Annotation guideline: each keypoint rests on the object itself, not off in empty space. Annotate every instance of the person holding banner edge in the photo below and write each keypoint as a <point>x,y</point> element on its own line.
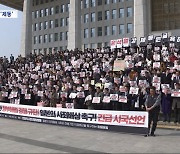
<point>152,105</point>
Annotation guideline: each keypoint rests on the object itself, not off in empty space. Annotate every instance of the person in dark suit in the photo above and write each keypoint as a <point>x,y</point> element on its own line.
<point>91,91</point>
<point>176,105</point>
<point>152,105</point>
<point>106,106</point>
<point>126,106</point>
<point>166,77</point>
<point>166,105</point>
<point>175,78</point>
<point>98,93</point>
<point>115,104</point>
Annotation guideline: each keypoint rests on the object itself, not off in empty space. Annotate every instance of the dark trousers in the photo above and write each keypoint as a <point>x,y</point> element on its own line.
<point>106,106</point>
<point>115,105</point>
<point>153,116</point>
<point>125,106</point>
<point>167,117</point>
<point>80,104</point>
<point>177,115</point>
<point>98,106</point>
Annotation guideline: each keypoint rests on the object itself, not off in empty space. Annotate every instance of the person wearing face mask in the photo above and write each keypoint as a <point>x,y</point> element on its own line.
<point>152,105</point>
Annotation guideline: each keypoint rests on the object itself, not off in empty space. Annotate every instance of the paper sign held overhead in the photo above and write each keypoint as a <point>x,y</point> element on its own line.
<point>119,65</point>
<point>119,43</point>
<point>126,42</point>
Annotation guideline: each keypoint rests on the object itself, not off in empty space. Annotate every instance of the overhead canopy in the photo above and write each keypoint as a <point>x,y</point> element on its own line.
<point>16,4</point>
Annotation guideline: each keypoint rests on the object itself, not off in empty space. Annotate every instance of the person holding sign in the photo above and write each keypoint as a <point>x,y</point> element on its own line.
<point>73,96</point>
<point>172,58</point>
<point>166,77</point>
<point>114,96</point>
<point>6,94</point>
<point>27,99</point>
<point>152,105</point>
<point>63,102</point>
<point>88,99</point>
<point>54,98</point>
<point>14,95</point>
<point>175,78</point>
<point>1,96</point>
<point>106,99</point>
<point>127,105</point>
<point>45,100</point>
<point>98,106</point>
<point>176,104</point>
<point>80,98</point>
<point>134,93</point>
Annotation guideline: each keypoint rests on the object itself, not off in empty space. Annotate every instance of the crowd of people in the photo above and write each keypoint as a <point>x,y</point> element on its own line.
<point>87,80</point>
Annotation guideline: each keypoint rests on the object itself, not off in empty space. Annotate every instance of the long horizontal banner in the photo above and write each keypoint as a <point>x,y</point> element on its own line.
<point>105,119</point>
<point>150,39</point>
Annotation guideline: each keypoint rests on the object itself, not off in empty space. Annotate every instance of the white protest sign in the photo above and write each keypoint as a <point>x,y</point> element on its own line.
<point>113,44</point>
<point>126,42</point>
<point>114,97</point>
<point>69,105</point>
<point>119,43</point>
<point>28,96</point>
<point>58,105</point>
<point>80,95</point>
<point>96,100</point>
<point>106,99</point>
<point>123,99</point>
<point>156,65</point>
<point>5,94</point>
<point>133,90</point>
<point>175,93</point>
<point>73,95</point>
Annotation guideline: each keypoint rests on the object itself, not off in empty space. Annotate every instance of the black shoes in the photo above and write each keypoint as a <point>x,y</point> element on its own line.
<point>146,135</point>
<point>152,134</point>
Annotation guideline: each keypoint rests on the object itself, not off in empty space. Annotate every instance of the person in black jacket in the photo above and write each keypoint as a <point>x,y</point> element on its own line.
<point>126,106</point>
<point>152,105</point>
<point>166,77</point>
<point>91,92</point>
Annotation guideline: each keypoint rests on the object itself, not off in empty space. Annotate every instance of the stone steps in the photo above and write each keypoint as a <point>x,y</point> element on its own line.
<point>166,125</point>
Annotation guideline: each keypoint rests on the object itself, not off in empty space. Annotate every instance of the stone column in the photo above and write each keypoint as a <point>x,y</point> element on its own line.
<point>26,34</point>
<point>74,36</point>
<point>142,18</point>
